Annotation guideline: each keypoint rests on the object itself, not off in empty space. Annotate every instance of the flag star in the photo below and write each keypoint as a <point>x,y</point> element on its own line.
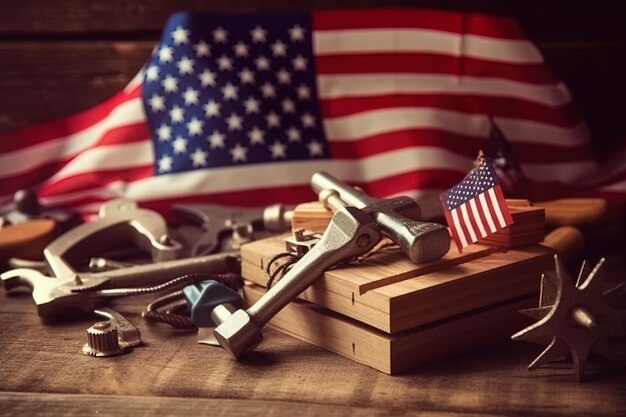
<point>230,92</point>
<point>202,49</point>
<point>241,49</point>
<point>293,134</point>
<point>296,33</point>
<point>190,96</point>
<point>199,157</point>
<point>273,120</point>
<point>239,153</point>
<point>157,103</point>
<point>212,108</point>
<point>179,145</point>
<point>278,149</point>
<point>170,84</point>
<point>299,63</point>
<point>220,35</point>
<point>251,105</point>
<point>207,78</point>
<point>180,35</point>
<point>288,106</point>
<point>262,63</point>
<point>234,122</point>
<point>283,76</point>
<point>315,148</point>
<point>279,48</point>
<point>268,90</point>
<point>216,139</point>
<point>164,132</point>
<point>256,135</point>
<point>258,34</point>
<point>304,92</point>
<point>152,73</point>
<point>185,65</point>
<point>177,114</point>
<point>195,126</point>
<point>246,76</point>
<point>165,163</point>
<point>308,120</point>
<point>225,63</point>
<point>165,54</point>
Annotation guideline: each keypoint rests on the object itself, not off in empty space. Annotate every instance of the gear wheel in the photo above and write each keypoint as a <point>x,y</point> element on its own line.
<point>102,340</point>
<point>576,317</point>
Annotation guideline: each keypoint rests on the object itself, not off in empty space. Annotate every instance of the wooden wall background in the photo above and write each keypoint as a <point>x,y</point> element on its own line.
<point>60,57</point>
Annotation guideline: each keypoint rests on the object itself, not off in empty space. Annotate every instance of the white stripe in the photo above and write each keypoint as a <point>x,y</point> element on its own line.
<point>618,187</point>
<point>477,218</point>
<point>136,81</point>
<point>26,159</point>
<point>485,207</point>
<point>457,227</point>
<point>332,42</point>
<point>359,85</point>
<point>566,172</point>
<point>376,122</point>
<point>496,207</point>
<point>130,155</point>
<point>468,223</point>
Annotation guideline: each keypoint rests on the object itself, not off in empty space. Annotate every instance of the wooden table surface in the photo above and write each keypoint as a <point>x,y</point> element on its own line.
<point>43,372</point>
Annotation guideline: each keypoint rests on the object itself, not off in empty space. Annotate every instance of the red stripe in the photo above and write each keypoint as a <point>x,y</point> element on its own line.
<point>94,180</point>
<point>563,116</point>
<point>456,22</point>
<point>463,226</point>
<point>491,211</point>
<point>40,173</point>
<point>453,230</point>
<point>59,129</point>
<point>464,145</point>
<point>431,63</point>
<point>481,215</point>
<point>504,208</point>
<point>473,222</point>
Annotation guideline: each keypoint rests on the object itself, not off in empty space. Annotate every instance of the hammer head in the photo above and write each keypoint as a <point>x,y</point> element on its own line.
<point>421,241</point>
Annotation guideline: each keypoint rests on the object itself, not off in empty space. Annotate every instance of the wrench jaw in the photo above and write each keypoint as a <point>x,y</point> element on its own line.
<point>238,334</point>
<point>50,296</point>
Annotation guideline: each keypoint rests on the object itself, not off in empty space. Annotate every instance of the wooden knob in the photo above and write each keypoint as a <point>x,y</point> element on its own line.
<point>26,240</point>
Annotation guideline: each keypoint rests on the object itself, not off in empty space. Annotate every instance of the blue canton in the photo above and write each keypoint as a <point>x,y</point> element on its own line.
<point>477,182</point>
<point>228,89</point>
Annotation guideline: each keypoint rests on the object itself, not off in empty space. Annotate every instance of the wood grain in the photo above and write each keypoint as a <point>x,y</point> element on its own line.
<point>43,358</point>
<point>390,293</point>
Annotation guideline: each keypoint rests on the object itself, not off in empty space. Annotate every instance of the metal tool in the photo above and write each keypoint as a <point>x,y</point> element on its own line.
<point>398,218</point>
<point>352,232</point>
<point>84,291</point>
<point>227,228</point>
<point>120,221</point>
<point>113,337</point>
<point>576,317</point>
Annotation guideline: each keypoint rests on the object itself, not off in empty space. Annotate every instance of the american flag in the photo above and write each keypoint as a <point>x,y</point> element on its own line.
<point>475,207</point>
<point>241,109</point>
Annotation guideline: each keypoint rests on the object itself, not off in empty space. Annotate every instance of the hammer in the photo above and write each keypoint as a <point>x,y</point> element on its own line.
<point>352,232</point>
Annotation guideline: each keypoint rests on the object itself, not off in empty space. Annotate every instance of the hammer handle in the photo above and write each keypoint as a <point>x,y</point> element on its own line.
<point>350,195</point>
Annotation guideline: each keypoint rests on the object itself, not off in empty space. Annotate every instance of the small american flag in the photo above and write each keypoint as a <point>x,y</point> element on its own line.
<point>475,207</point>
<point>243,108</point>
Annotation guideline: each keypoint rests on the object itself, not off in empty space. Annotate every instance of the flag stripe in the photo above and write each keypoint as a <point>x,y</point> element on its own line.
<point>458,229</point>
<point>424,41</point>
<point>477,218</point>
<point>425,63</point>
<point>564,116</point>
<point>58,129</point>
<point>495,207</point>
<point>486,209</point>
<point>455,22</point>
<point>468,223</point>
<point>360,85</point>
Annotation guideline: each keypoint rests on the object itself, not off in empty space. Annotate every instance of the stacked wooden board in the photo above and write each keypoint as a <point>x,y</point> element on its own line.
<point>392,315</point>
<point>528,227</point>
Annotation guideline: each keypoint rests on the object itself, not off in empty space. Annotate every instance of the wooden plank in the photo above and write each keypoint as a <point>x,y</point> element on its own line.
<point>410,301</point>
<point>45,358</point>
<point>394,354</point>
<point>54,405</point>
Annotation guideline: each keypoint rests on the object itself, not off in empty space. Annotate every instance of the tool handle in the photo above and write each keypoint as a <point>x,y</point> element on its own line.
<point>156,273</point>
<point>350,195</point>
<point>350,233</point>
